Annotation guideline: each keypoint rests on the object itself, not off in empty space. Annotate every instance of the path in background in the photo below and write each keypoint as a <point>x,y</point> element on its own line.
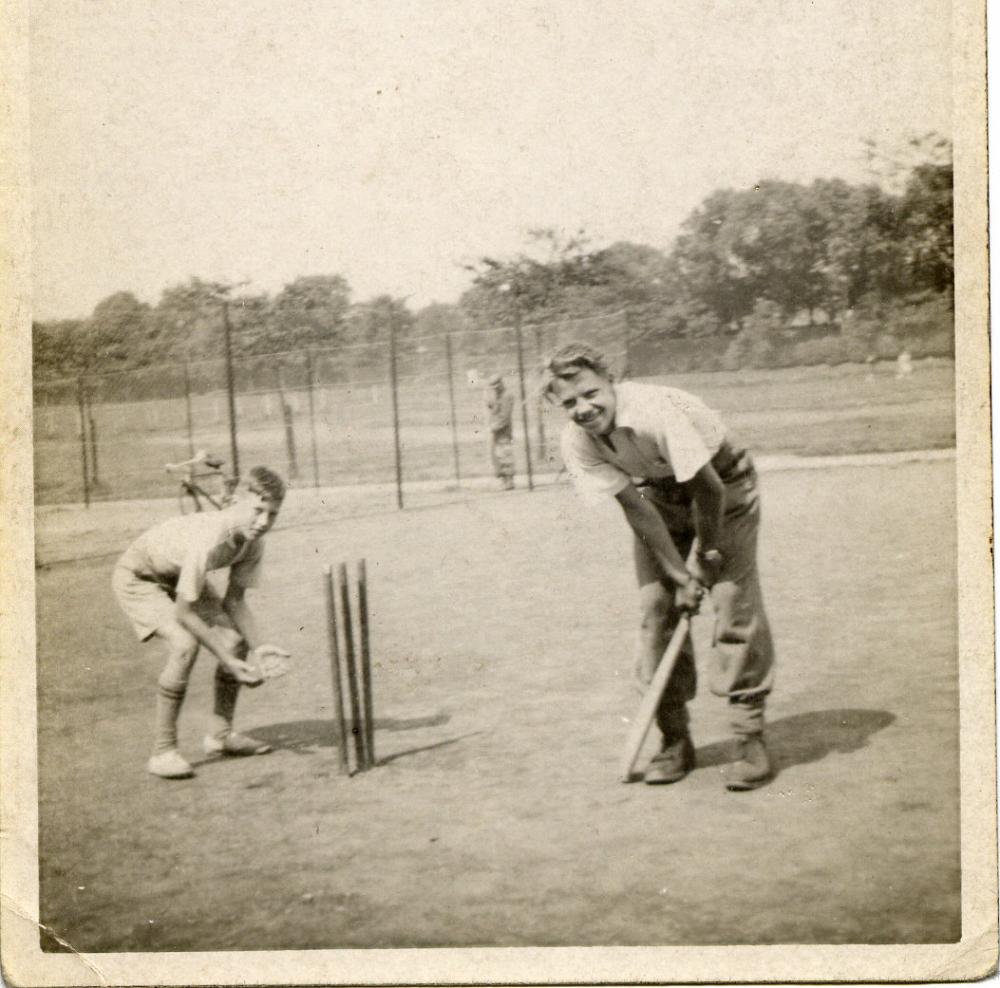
<point>502,632</point>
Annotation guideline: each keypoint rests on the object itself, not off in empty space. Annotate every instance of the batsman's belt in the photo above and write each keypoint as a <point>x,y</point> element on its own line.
<point>731,464</point>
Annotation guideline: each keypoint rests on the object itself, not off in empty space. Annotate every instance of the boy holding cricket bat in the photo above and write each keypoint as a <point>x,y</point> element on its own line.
<point>690,498</point>
<point>161,585</point>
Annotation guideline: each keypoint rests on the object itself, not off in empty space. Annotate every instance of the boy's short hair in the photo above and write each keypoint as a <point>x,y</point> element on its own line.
<point>568,361</point>
<point>265,481</point>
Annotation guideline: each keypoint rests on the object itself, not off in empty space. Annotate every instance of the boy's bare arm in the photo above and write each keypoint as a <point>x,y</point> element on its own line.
<point>708,495</point>
<point>646,522</point>
<point>189,619</point>
<point>267,658</point>
<point>235,606</point>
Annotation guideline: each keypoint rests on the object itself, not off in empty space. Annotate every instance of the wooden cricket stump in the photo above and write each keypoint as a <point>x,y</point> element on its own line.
<point>350,668</point>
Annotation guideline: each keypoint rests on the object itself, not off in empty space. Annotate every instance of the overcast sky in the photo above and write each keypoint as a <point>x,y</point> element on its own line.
<point>390,141</point>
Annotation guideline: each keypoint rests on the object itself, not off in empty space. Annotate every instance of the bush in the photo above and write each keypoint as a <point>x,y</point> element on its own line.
<point>928,327</point>
<point>826,350</point>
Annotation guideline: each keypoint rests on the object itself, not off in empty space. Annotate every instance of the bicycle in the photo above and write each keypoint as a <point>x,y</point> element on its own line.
<point>193,496</point>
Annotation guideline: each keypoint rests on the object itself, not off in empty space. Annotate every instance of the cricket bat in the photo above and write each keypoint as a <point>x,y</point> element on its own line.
<point>651,699</point>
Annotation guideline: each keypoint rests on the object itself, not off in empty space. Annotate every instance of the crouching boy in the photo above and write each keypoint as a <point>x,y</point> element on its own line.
<point>160,583</point>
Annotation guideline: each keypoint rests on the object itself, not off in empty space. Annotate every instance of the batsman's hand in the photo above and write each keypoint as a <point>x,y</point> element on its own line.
<point>270,661</point>
<point>687,596</point>
<point>706,566</point>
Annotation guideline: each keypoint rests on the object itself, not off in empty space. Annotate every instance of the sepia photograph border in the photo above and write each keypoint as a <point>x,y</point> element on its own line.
<point>972,957</point>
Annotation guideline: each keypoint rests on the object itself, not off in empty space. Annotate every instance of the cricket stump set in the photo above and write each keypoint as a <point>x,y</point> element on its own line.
<point>345,662</point>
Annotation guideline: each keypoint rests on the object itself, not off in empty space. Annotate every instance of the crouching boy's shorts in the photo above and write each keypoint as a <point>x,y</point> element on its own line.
<point>149,604</point>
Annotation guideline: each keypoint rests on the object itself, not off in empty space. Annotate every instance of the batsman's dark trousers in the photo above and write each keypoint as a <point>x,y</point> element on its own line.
<point>742,653</point>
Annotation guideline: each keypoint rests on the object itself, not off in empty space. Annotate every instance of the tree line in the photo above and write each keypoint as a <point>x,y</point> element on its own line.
<point>776,274</point>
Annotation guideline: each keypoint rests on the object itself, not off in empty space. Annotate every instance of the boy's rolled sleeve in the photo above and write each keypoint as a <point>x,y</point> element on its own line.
<point>594,479</point>
<point>683,447</point>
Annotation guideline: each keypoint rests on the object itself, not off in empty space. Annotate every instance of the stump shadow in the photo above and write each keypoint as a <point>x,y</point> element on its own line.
<point>808,737</point>
<point>305,737</point>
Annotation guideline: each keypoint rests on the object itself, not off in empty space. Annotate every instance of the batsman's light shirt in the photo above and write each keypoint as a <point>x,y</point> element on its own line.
<point>659,433</point>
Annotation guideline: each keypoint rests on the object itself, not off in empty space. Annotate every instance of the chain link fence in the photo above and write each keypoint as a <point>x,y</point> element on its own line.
<point>403,412</point>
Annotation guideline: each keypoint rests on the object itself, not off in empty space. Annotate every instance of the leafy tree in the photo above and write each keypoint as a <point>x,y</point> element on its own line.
<point>563,282</point>
<point>860,244</point>
<point>715,279</point>
<point>918,172</point>
<point>310,312</point>
<point>251,321</point>
<point>780,236</point>
<point>115,333</point>
<point>927,220</point>
<point>372,321</point>
<point>56,348</point>
<point>188,321</point>
<point>438,318</point>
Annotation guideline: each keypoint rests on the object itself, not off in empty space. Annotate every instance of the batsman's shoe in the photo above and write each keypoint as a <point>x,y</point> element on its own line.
<point>752,767</point>
<point>671,764</point>
<point>170,765</point>
<point>234,744</point>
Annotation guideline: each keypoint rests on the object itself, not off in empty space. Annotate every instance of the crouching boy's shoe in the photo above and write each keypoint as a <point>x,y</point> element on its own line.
<point>673,762</point>
<point>752,767</point>
<point>169,765</point>
<point>234,744</point>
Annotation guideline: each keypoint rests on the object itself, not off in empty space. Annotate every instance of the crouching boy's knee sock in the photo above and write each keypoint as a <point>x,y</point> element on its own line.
<point>227,691</point>
<point>169,698</point>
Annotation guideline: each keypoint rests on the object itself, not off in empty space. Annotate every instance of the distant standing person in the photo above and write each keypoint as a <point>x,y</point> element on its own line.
<point>161,584</point>
<point>690,498</point>
<point>500,409</point>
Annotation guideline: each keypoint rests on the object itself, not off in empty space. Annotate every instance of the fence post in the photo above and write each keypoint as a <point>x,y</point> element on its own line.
<point>230,389</point>
<point>94,478</point>
<point>395,410</point>
<point>286,415</point>
<point>83,442</point>
<point>524,396</point>
<point>543,451</point>
<point>187,409</point>
<point>451,398</point>
<point>626,370</point>
<point>312,417</point>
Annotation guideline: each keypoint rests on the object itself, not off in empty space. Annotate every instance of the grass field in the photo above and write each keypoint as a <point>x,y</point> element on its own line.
<point>503,627</point>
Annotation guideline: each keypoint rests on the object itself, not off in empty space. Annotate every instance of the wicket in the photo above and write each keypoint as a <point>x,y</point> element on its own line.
<point>344,667</point>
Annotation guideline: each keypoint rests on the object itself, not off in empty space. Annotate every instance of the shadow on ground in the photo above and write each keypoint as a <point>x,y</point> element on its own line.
<point>808,737</point>
<point>305,737</point>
